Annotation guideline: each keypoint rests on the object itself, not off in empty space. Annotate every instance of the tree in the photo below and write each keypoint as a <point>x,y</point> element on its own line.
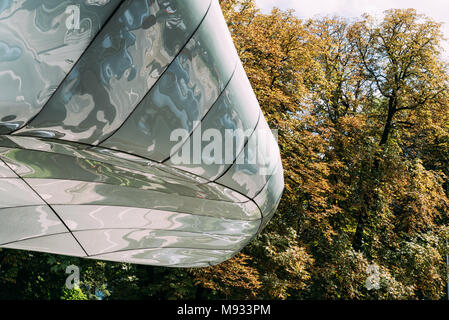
<point>362,110</point>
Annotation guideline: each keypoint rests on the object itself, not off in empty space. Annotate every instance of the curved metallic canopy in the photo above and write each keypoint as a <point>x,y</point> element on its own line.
<point>91,92</point>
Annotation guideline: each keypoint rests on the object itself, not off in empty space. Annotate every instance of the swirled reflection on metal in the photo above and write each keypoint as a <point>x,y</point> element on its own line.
<point>37,50</point>
<point>268,199</point>
<point>261,153</point>
<point>183,94</point>
<point>116,72</point>
<point>86,161</point>
<point>236,109</point>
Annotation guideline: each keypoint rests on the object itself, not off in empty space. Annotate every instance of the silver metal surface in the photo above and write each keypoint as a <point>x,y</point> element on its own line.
<point>37,51</point>
<point>88,163</point>
<point>116,72</point>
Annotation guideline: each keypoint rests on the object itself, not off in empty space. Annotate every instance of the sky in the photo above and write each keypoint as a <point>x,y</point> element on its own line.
<point>436,9</point>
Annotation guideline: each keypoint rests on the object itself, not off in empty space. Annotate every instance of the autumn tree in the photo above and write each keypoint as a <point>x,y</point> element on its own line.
<point>362,110</point>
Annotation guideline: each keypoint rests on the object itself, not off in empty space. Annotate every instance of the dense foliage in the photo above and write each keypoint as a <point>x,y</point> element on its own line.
<point>362,110</point>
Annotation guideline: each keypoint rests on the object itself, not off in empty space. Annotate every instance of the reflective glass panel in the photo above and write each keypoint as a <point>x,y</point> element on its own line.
<point>5,172</point>
<point>15,193</point>
<point>106,217</point>
<point>184,94</point>
<point>81,192</point>
<point>40,41</point>
<point>28,222</point>
<point>255,164</point>
<point>214,144</point>
<point>125,60</point>
<point>172,257</point>
<point>104,241</point>
<point>42,164</point>
<point>268,198</point>
<point>64,244</point>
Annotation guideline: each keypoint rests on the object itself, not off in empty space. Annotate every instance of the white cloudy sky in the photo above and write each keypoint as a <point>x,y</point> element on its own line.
<point>437,9</point>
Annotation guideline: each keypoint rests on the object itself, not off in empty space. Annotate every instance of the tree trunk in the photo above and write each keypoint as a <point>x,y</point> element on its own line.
<point>357,241</point>
<point>389,122</point>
